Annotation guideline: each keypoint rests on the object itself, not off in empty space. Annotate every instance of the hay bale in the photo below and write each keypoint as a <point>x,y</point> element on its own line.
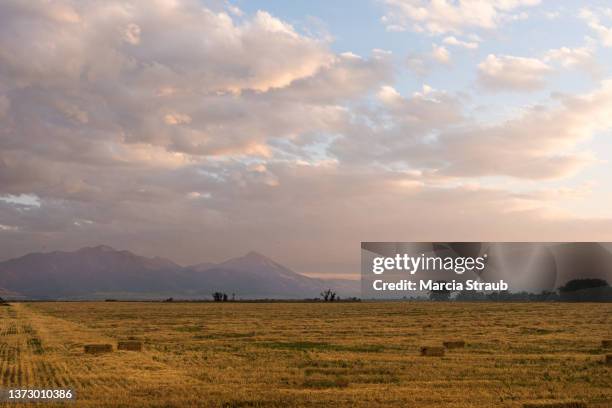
<point>569,404</point>
<point>454,344</point>
<point>606,344</point>
<point>432,351</point>
<point>98,348</point>
<point>609,359</point>
<point>130,345</point>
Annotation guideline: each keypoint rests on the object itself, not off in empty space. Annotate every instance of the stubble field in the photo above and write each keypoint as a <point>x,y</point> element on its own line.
<point>310,354</point>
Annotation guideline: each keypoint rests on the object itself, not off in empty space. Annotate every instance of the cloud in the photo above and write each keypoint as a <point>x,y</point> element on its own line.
<point>177,119</point>
<point>440,54</point>
<point>571,57</point>
<point>512,73</point>
<point>444,16</point>
<point>126,90</point>
<point>582,58</point>
<point>418,64</point>
<point>132,34</point>
<point>389,95</point>
<point>552,15</point>
<point>422,64</point>
<point>176,76</point>
<point>594,21</point>
<point>316,207</point>
<point>452,40</point>
<point>149,43</point>
<point>429,133</point>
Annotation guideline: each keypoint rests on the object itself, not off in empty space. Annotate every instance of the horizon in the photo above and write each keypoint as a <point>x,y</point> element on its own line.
<point>249,254</point>
<point>398,274</point>
<point>352,276</point>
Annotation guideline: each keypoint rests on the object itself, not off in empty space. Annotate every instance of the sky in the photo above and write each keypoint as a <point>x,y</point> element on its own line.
<point>201,130</point>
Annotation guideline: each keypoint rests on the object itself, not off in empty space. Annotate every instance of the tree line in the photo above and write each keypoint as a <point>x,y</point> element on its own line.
<point>574,290</point>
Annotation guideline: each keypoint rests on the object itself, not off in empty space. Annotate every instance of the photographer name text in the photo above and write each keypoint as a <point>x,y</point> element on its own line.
<point>430,285</point>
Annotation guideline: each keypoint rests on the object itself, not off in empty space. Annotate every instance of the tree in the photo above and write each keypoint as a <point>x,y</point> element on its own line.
<point>546,295</point>
<point>581,284</point>
<point>440,294</point>
<point>470,296</point>
<point>329,295</point>
<point>586,290</point>
<point>504,296</point>
<point>220,297</point>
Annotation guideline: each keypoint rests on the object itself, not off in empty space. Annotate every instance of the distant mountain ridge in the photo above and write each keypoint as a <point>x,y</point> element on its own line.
<point>104,272</point>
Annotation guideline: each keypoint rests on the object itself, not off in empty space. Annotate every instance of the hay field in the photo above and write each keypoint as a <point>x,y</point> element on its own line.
<point>310,354</point>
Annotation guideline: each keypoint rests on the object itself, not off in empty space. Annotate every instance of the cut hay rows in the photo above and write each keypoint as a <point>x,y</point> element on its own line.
<point>35,345</point>
<point>23,359</point>
<point>606,343</point>
<point>129,345</point>
<point>9,329</point>
<point>48,353</point>
<point>294,355</point>
<point>431,351</point>
<point>609,359</point>
<point>97,348</point>
<point>454,344</point>
<point>571,404</point>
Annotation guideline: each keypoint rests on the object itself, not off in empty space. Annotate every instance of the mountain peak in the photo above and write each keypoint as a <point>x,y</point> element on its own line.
<point>99,248</point>
<point>101,270</point>
<point>251,260</point>
<point>253,255</point>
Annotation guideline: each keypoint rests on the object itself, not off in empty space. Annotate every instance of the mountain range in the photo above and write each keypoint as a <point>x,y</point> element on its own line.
<point>103,272</point>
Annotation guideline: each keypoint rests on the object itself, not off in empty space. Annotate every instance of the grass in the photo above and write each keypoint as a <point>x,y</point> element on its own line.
<point>310,354</point>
